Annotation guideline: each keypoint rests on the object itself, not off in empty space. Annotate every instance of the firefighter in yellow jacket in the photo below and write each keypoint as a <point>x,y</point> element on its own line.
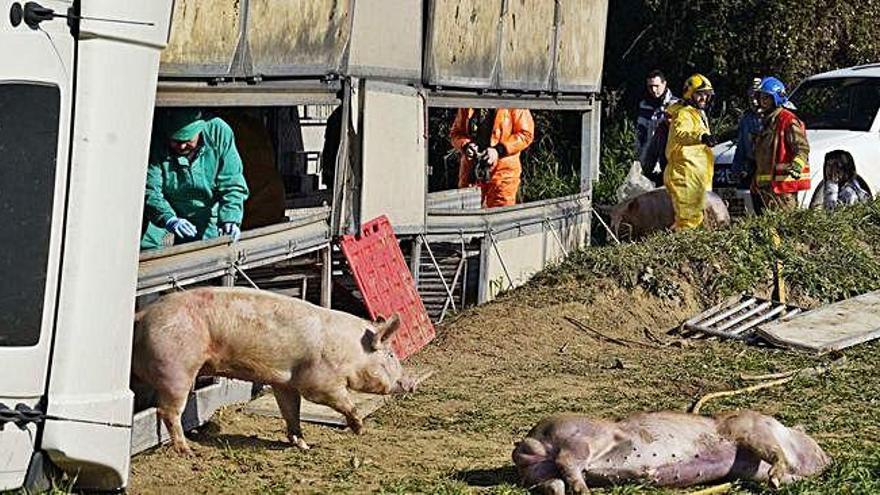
<point>688,175</point>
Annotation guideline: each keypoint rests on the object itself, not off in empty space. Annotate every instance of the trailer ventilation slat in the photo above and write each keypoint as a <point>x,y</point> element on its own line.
<point>739,316</point>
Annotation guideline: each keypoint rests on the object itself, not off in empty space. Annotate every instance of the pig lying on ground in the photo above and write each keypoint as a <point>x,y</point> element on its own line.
<point>663,449</point>
<point>300,349</point>
<point>652,211</point>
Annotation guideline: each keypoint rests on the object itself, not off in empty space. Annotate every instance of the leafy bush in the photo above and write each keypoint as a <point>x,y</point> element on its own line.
<point>551,165</point>
<point>442,157</point>
<point>616,157</point>
<point>732,41</point>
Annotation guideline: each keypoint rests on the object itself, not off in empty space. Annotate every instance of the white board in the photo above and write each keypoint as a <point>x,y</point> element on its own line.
<point>829,328</point>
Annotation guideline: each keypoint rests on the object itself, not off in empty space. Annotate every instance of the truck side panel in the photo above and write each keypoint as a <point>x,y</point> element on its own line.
<point>581,45</point>
<point>204,37</point>
<point>298,37</point>
<point>89,377</point>
<point>539,45</point>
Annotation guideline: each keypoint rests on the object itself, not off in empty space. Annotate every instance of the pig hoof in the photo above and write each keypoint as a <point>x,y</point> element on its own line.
<point>777,474</point>
<point>298,442</point>
<point>551,487</point>
<point>182,450</point>
<point>357,426</point>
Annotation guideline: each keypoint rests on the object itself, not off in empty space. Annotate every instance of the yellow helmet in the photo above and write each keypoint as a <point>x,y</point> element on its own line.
<point>695,83</point>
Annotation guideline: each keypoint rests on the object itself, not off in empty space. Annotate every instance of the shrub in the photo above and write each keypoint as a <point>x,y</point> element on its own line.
<point>731,41</point>
<point>825,256</point>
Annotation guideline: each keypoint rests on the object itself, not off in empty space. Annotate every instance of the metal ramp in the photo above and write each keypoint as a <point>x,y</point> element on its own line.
<point>738,317</point>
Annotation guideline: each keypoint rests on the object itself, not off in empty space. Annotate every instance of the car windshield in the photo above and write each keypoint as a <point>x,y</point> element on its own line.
<point>849,103</point>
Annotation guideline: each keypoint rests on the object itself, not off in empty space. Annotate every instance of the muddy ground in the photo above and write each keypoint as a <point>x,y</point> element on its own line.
<point>499,369</point>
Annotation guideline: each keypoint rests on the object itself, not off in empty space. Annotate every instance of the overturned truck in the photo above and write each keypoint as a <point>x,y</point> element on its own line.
<point>330,103</point>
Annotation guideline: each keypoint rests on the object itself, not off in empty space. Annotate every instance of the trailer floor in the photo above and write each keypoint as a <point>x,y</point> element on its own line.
<point>502,367</point>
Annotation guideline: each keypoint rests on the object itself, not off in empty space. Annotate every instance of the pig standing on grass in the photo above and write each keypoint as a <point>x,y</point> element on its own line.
<point>664,449</point>
<point>300,349</point>
<point>652,211</point>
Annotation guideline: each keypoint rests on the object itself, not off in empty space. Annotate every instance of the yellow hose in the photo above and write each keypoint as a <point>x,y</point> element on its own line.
<point>713,490</point>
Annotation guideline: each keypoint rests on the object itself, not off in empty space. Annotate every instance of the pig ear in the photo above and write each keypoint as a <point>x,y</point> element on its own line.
<point>385,329</point>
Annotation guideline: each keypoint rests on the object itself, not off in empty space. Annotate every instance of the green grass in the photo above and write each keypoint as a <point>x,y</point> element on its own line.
<point>825,257</point>
<point>63,486</point>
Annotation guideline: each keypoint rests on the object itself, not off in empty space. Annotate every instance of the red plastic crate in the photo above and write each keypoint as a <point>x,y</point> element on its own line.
<point>387,285</point>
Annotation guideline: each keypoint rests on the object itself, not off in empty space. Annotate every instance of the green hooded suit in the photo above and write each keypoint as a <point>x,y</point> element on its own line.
<point>208,191</point>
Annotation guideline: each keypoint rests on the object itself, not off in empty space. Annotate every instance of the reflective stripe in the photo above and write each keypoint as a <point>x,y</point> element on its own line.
<point>784,185</point>
<point>791,186</point>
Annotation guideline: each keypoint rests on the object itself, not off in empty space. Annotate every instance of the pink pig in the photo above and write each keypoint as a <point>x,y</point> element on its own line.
<point>664,449</point>
<point>652,212</point>
<point>300,349</point>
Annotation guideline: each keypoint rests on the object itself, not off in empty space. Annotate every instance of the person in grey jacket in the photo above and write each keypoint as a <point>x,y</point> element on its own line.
<point>649,143</point>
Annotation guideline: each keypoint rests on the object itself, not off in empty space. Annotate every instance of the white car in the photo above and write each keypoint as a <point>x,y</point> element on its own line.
<point>840,111</point>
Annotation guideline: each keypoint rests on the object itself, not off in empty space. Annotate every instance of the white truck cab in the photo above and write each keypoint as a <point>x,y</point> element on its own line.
<point>76,103</point>
<point>841,111</point>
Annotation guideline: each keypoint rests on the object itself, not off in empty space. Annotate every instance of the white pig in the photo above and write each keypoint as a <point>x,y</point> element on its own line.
<point>652,212</point>
<point>300,349</point>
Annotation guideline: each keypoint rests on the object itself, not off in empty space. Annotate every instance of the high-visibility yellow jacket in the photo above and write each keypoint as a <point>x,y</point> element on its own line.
<point>690,167</point>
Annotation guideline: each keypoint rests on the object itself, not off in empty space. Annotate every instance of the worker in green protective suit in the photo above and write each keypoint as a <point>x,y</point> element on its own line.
<point>195,183</point>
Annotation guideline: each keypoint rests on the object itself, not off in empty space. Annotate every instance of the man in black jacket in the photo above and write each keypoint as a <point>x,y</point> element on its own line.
<point>650,141</point>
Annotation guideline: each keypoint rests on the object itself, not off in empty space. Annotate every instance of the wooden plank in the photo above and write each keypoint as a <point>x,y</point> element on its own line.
<point>751,323</point>
<point>310,412</point>
<point>829,328</point>
<point>791,314</point>
<point>148,431</point>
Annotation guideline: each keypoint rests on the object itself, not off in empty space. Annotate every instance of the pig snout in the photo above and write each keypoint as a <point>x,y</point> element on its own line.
<point>404,385</point>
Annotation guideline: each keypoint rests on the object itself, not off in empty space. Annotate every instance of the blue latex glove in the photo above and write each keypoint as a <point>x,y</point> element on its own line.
<point>232,230</point>
<point>181,227</point>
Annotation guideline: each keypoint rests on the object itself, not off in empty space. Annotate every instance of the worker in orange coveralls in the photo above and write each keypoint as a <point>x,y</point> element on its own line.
<point>490,142</point>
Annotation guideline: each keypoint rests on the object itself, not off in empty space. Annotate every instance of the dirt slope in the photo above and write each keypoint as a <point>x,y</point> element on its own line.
<point>502,367</point>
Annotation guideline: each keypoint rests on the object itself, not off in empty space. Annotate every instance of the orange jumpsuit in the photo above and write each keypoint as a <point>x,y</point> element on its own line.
<point>512,132</point>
